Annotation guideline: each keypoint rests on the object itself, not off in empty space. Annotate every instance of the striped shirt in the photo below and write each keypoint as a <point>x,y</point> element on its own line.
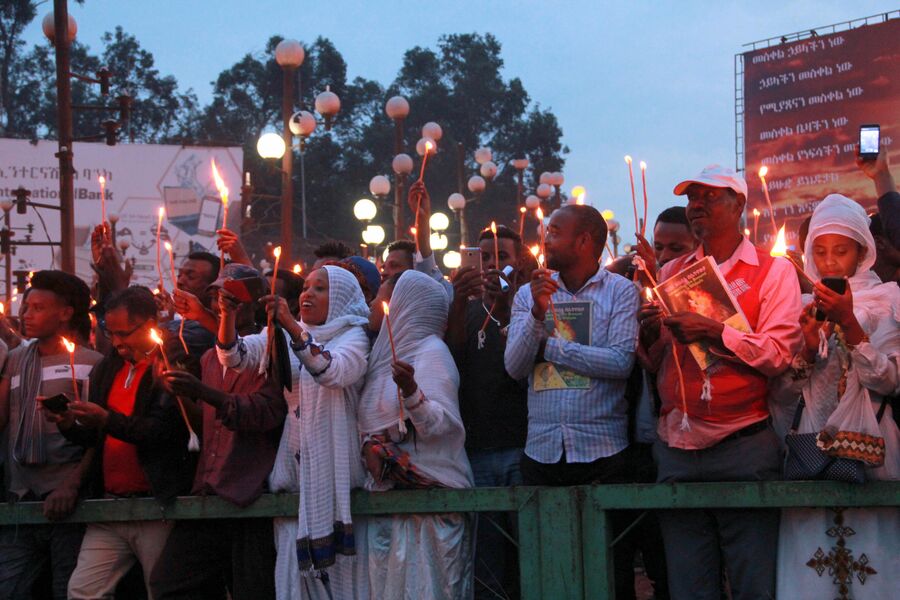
<point>585,423</point>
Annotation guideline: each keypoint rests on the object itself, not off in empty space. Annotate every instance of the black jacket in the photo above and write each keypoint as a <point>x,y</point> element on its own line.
<point>155,427</point>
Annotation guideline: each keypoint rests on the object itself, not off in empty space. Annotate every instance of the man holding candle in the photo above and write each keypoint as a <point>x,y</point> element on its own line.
<point>728,436</point>
<point>578,432</point>
<point>492,404</point>
<point>42,464</point>
<point>141,444</point>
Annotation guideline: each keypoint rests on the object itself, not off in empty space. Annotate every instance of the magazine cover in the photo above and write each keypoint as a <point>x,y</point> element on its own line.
<point>575,326</point>
<point>700,288</point>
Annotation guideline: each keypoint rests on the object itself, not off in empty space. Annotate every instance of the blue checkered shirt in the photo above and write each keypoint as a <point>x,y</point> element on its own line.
<point>587,423</point>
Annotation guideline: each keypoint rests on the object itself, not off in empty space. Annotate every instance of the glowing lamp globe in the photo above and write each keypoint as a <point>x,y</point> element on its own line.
<point>396,108</point>
<point>327,103</point>
<point>456,201</point>
<point>432,130</point>
<point>476,184</point>
<point>373,235</point>
<point>544,190</point>
<point>49,27</point>
<point>380,186</point>
<point>545,177</point>
<point>270,145</point>
<point>483,155</point>
<point>438,241</point>
<point>439,221</point>
<point>452,259</point>
<point>488,170</point>
<point>519,163</point>
<point>532,202</point>
<point>303,123</point>
<point>289,53</point>
<point>420,146</point>
<point>364,209</point>
<point>402,164</point>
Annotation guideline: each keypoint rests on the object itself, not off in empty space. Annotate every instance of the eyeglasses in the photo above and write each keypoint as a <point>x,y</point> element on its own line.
<point>120,334</point>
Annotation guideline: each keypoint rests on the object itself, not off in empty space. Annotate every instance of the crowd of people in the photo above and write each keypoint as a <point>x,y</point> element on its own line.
<point>399,378</point>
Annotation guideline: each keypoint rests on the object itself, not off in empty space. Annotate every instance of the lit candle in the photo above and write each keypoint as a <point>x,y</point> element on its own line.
<point>247,178</point>
<point>270,324</point>
<point>780,249</point>
<point>2,310</point>
<point>70,347</point>
<point>633,197</point>
<point>223,194</point>
<point>496,245</point>
<point>756,214</point>
<point>297,269</point>
<point>747,232</point>
<point>172,266</point>
<point>644,188</point>
<point>763,171</point>
<point>522,211</point>
<point>277,253</point>
<point>154,335</point>
<point>385,307</point>
<point>428,148</point>
<point>159,220</point>
<point>102,181</point>
<point>540,217</point>
<point>193,441</point>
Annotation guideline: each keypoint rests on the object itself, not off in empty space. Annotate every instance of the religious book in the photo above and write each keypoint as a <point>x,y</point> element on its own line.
<point>700,288</point>
<point>574,325</point>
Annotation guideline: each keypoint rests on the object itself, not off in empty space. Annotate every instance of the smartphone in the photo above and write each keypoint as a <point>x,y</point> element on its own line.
<point>869,141</point>
<point>246,289</point>
<point>837,285</point>
<point>56,404</point>
<point>471,257</point>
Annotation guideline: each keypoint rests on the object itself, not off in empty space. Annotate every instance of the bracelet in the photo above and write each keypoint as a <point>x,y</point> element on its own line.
<point>418,403</point>
<point>226,346</point>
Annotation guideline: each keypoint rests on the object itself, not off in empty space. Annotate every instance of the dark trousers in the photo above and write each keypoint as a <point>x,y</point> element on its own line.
<point>698,541</point>
<point>202,558</point>
<point>25,550</point>
<point>646,536</point>
<point>609,469</point>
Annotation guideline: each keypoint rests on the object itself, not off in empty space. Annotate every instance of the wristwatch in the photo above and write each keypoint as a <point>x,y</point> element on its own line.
<point>303,344</point>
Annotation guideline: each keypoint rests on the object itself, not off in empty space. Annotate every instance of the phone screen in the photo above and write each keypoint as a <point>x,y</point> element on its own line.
<point>869,140</point>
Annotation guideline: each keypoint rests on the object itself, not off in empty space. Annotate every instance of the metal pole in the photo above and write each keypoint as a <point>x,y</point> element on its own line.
<point>8,259</point>
<point>287,166</point>
<point>400,182</point>
<point>460,175</point>
<point>64,120</point>
<point>303,191</point>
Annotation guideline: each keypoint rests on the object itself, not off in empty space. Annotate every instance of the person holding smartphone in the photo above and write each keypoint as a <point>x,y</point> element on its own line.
<point>849,364</point>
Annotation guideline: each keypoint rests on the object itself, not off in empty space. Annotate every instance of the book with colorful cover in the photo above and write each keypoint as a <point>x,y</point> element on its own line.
<point>700,288</point>
<point>575,326</point>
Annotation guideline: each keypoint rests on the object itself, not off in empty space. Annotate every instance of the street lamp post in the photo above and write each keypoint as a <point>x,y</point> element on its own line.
<point>62,40</point>
<point>397,109</point>
<point>289,55</point>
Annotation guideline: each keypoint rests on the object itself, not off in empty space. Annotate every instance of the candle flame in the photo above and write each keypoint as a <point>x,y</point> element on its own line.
<point>156,291</point>
<point>385,308</point>
<point>162,212</point>
<point>540,260</point>
<point>780,247</point>
<point>627,159</point>
<point>756,212</point>
<point>413,230</point>
<point>168,246</point>
<point>102,180</point>
<point>70,347</point>
<point>2,309</point>
<point>220,184</point>
<point>522,209</point>
<point>154,335</point>
<point>580,199</point>
<point>539,213</point>
<point>494,227</point>
<point>746,232</point>
<point>428,146</point>
<point>298,269</point>
<point>643,166</point>
<point>535,250</point>
<point>277,252</point>
<point>763,171</point>
<point>648,294</point>
<point>609,261</point>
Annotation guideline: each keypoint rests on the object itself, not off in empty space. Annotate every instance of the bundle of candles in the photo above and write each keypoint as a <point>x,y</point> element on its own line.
<point>270,324</point>
<point>193,440</point>
<point>640,226</point>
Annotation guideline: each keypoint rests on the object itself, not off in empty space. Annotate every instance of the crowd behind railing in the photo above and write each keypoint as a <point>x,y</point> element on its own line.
<point>522,368</point>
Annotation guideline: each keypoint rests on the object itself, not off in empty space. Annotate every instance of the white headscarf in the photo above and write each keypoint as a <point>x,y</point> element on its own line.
<point>418,309</point>
<point>346,305</point>
<point>872,299</point>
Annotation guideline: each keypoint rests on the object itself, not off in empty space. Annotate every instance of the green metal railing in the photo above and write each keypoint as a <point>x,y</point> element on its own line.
<point>565,540</point>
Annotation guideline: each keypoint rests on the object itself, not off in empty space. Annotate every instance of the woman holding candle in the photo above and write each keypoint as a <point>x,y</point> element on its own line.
<point>416,556</point>
<point>319,451</point>
<point>849,365</point>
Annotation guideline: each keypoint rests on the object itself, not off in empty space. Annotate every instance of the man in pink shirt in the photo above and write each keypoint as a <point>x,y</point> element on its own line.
<point>720,430</point>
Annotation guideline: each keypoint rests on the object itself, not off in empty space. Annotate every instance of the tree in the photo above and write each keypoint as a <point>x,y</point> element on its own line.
<point>15,15</point>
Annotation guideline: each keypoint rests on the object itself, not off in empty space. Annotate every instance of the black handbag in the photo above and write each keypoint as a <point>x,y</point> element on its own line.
<point>805,460</point>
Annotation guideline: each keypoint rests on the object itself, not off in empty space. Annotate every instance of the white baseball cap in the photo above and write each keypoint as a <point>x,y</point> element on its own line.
<point>715,176</point>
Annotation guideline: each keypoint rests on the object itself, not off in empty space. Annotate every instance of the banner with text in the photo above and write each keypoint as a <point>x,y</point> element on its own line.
<point>803,105</point>
<point>139,179</point>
